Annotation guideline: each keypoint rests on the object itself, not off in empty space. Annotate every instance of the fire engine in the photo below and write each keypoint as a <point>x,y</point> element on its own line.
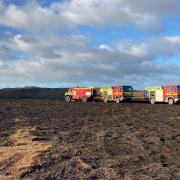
<point>83,94</point>
<point>117,93</point>
<point>169,94</point>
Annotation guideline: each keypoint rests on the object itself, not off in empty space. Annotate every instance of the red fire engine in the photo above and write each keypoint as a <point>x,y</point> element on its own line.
<point>169,94</point>
<point>117,93</point>
<point>83,94</point>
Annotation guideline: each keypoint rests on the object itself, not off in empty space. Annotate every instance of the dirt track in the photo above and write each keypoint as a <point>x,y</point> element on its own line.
<point>51,139</point>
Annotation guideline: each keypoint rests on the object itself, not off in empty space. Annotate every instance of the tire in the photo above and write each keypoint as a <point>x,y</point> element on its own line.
<point>170,101</point>
<point>84,99</point>
<point>105,100</point>
<point>152,101</point>
<point>117,100</point>
<point>67,98</point>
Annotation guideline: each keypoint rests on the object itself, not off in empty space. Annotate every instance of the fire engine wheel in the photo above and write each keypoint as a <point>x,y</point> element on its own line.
<point>170,101</point>
<point>152,101</point>
<point>105,100</point>
<point>117,100</point>
<point>67,98</point>
<point>84,99</point>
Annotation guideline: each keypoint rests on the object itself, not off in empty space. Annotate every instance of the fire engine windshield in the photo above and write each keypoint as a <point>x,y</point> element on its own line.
<point>127,89</point>
<point>179,89</point>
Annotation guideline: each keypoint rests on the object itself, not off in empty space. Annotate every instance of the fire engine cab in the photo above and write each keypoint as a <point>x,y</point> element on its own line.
<point>117,93</point>
<point>169,94</point>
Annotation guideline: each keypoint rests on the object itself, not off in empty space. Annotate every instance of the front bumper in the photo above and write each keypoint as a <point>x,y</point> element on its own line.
<point>126,98</point>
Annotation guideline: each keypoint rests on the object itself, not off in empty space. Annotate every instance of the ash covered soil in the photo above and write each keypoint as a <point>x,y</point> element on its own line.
<point>52,139</point>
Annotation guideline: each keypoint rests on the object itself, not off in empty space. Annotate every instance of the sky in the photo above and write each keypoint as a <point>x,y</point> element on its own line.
<point>65,43</point>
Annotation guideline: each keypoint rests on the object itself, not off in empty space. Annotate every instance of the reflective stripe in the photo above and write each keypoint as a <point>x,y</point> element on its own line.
<point>171,94</point>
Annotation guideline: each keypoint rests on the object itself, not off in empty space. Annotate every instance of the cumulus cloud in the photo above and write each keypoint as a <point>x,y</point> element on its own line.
<point>52,52</point>
<point>125,61</point>
<point>42,46</point>
<point>30,17</point>
<point>147,14</point>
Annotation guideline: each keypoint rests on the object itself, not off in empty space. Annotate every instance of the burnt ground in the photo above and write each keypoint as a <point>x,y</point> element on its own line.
<point>52,139</point>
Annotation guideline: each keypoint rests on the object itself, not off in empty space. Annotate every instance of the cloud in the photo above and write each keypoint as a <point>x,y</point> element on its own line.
<point>4,51</point>
<point>42,46</point>
<point>75,61</point>
<point>146,15</point>
<point>31,16</point>
<point>49,49</point>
